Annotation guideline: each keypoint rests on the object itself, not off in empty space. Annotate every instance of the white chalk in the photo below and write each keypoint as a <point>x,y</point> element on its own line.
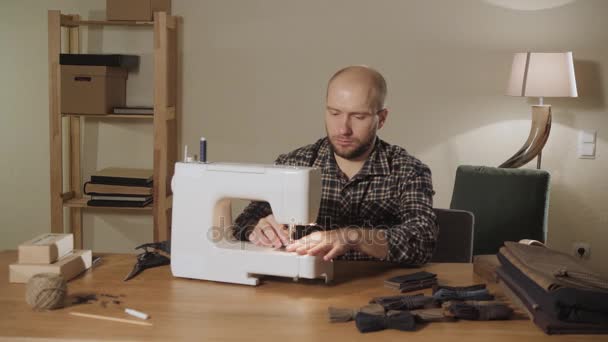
<point>137,314</point>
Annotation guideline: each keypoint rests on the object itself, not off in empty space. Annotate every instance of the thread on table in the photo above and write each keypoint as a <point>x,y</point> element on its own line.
<point>46,291</point>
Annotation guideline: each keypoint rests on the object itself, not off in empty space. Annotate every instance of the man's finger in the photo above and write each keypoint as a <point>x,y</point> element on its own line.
<point>297,244</point>
<point>305,246</point>
<point>280,229</point>
<point>252,238</point>
<point>272,236</point>
<point>283,233</point>
<point>319,249</point>
<point>333,253</point>
<point>260,237</point>
<point>302,250</point>
<point>255,239</point>
<point>292,247</point>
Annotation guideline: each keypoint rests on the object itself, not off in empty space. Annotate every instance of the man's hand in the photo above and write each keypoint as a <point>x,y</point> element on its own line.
<point>269,233</point>
<point>330,244</point>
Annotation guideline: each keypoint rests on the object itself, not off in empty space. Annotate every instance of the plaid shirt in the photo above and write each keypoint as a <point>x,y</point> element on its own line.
<point>392,191</point>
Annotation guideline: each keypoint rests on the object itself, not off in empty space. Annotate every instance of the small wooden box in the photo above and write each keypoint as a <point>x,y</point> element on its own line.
<point>137,10</point>
<point>69,266</point>
<point>45,249</point>
<point>92,89</point>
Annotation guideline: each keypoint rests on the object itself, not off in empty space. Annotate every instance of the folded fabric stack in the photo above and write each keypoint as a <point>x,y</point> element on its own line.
<point>412,282</point>
<point>560,294</point>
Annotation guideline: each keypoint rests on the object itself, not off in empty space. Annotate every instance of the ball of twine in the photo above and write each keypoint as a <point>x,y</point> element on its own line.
<point>46,291</point>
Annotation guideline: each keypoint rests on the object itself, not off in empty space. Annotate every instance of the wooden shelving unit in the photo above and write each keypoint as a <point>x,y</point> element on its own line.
<point>82,203</point>
<point>166,29</point>
<point>112,116</point>
<point>71,22</point>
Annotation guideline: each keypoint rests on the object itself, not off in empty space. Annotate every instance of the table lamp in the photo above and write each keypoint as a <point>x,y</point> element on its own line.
<point>539,75</point>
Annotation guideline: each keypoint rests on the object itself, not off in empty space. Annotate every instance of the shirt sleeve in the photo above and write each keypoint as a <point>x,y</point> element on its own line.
<point>256,210</point>
<point>413,241</point>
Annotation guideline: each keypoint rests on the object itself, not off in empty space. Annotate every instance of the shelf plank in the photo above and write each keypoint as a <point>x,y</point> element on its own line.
<point>72,23</point>
<point>112,116</point>
<point>55,125</point>
<point>82,203</point>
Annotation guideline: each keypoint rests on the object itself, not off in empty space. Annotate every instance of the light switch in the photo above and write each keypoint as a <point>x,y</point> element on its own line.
<point>586,144</point>
<point>587,137</point>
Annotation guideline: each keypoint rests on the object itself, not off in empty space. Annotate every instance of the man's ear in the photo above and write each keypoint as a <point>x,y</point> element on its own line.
<point>382,117</point>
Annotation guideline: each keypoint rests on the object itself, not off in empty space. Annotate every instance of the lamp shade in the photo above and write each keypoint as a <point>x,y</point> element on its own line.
<point>541,74</point>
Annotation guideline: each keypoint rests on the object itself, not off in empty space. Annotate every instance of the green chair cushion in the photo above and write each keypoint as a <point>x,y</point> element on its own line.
<point>508,204</point>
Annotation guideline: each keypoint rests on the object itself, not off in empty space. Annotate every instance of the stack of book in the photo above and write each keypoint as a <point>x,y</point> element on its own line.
<point>137,110</point>
<point>120,187</point>
<point>49,253</point>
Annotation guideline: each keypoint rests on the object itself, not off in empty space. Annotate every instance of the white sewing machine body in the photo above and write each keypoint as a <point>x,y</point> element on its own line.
<point>202,244</point>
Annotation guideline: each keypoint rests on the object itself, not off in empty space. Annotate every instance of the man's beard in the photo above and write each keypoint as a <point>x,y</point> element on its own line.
<point>357,151</point>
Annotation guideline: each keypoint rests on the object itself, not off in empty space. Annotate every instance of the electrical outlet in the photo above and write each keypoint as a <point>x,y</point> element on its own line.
<point>581,250</point>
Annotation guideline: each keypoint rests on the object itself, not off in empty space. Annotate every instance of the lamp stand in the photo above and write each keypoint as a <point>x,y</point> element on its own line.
<point>539,133</point>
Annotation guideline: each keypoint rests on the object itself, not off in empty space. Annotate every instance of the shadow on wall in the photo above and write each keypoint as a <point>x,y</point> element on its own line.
<point>590,90</point>
<point>95,33</point>
<point>130,228</point>
<point>565,225</point>
<point>590,87</point>
<point>526,5</point>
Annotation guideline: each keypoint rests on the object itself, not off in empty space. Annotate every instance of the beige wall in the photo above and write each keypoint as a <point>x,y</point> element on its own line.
<point>254,78</point>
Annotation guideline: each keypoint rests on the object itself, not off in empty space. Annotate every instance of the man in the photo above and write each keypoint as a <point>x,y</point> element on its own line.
<point>376,198</point>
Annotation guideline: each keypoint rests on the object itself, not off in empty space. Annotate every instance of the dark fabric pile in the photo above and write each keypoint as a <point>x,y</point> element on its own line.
<point>403,312</point>
<point>561,294</point>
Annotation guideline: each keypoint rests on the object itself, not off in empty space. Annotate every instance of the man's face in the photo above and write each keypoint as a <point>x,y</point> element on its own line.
<point>351,120</point>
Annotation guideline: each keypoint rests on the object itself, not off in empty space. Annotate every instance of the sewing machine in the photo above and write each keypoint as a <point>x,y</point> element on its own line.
<point>202,243</point>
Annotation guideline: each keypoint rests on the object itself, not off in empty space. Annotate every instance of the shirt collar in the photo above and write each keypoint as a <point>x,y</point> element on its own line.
<point>376,164</point>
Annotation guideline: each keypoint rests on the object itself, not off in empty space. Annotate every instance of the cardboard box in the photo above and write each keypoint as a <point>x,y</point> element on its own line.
<point>138,10</point>
<point>45,249</point>
<point>69,267</point>
<point>88,89</point>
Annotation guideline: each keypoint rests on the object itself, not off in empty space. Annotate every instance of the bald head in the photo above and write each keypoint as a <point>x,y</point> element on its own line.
<point>363,79</point>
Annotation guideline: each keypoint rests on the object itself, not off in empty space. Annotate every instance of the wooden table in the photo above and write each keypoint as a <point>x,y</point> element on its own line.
<point>278,309</point>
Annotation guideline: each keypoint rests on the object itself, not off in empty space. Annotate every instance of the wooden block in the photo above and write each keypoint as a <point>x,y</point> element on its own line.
<point>46,248</point>
<point>69,266</point>
<point>485,267</point>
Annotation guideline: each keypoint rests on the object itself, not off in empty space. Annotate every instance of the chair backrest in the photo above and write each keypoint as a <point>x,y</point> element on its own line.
<point>508,204</point>
<point>455,239</point>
